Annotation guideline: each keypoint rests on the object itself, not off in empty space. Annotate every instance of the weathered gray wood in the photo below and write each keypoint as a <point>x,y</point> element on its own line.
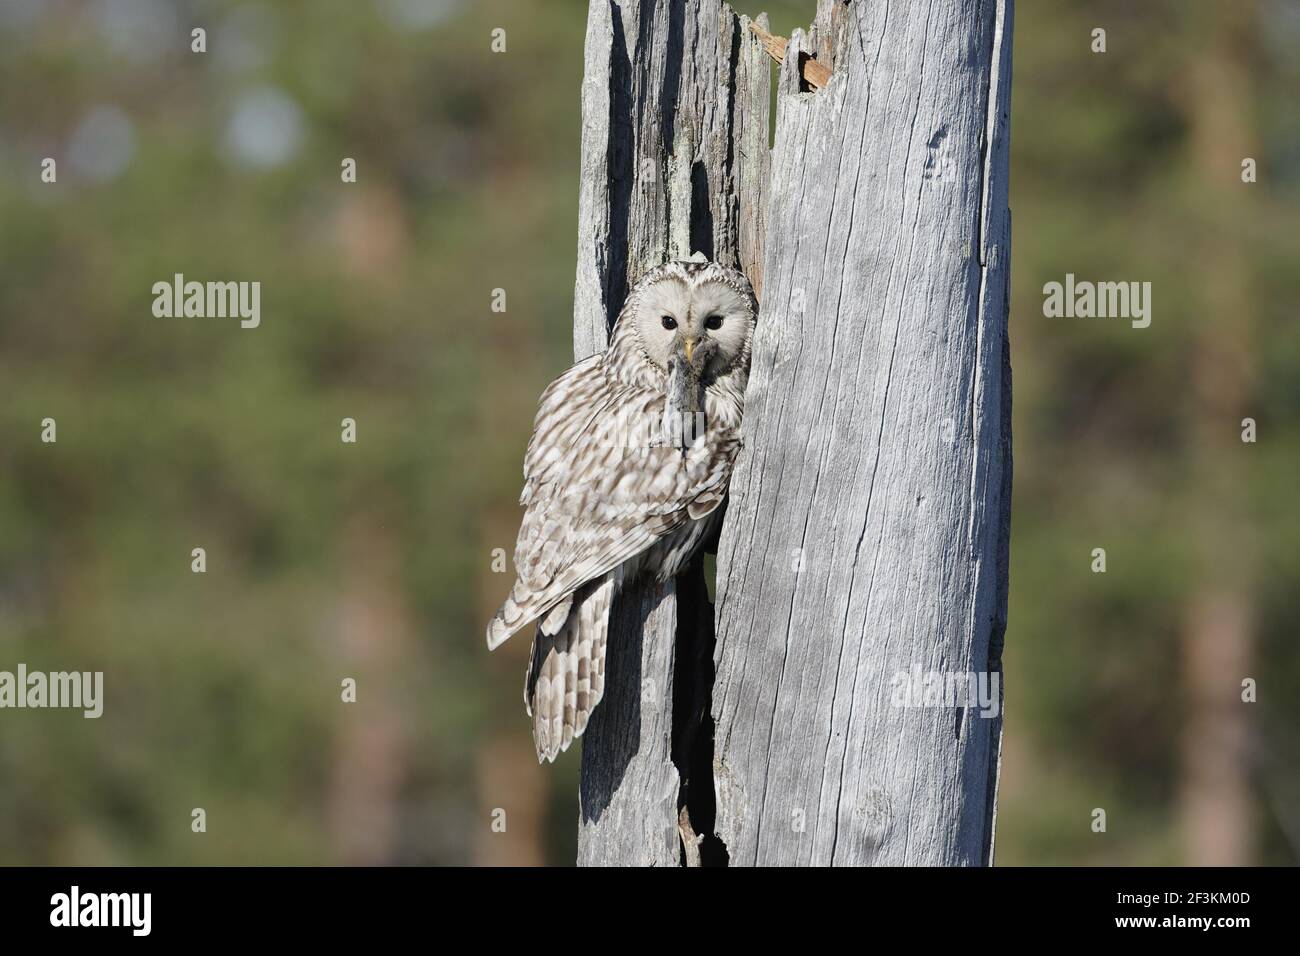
<point>629,787</point>
<point>674,161</point>
<point>868,526</point>
<point>869,515</point>
<point>674,148</point>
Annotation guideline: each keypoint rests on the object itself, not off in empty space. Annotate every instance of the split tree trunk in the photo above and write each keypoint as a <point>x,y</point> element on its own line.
<point>675,103</point>
<point>867,529</point>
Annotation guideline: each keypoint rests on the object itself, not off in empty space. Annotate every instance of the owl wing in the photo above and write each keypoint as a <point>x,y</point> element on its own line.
<point>597,492</point>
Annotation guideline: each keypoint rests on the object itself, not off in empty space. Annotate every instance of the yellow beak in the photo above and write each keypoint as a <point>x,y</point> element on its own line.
<point>690,347</point>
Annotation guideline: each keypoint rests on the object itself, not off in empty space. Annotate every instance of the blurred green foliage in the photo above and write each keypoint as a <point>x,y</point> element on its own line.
<point>373,560</point>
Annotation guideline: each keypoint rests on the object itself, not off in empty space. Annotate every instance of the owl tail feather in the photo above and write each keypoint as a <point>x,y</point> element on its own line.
<point>513,615</point>
<point>566,678</point>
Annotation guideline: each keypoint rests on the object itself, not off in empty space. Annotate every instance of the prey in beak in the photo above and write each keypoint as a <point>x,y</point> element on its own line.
<point>695,353</point>
<point>684,419</point>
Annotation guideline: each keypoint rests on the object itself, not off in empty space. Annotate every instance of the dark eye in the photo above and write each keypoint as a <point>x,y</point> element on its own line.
<point>713,322</point>
<point>669,322</point>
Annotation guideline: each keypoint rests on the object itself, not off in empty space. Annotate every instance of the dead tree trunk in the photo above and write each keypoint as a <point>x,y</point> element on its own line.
<point>867,530</point>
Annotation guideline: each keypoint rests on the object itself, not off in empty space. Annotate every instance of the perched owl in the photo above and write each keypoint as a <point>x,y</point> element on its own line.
<point>627,467</point>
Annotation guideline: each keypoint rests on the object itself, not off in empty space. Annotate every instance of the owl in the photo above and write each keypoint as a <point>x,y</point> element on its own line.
<point>625,474</point>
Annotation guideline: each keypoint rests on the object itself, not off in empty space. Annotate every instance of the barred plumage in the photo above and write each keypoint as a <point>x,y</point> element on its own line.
<point>629,461</point>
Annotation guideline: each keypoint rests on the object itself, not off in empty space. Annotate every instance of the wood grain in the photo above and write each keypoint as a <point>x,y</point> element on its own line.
<point>869,516</point>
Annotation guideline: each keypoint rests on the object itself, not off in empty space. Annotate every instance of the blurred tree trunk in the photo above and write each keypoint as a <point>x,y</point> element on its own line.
<point>1218,627</point>
<point>510,781</point>
<point>868,525</point>
<point>508,775</point>
<point>374,631</point>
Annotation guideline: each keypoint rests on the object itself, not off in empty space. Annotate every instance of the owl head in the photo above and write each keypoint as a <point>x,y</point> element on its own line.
<point>696,312</point>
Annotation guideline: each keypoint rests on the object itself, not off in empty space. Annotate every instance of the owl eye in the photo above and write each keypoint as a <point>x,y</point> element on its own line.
<point>713,322</point>
<point>669,322</point>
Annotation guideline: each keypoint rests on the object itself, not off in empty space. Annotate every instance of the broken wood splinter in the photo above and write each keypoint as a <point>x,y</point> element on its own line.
<point>815,74</point>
